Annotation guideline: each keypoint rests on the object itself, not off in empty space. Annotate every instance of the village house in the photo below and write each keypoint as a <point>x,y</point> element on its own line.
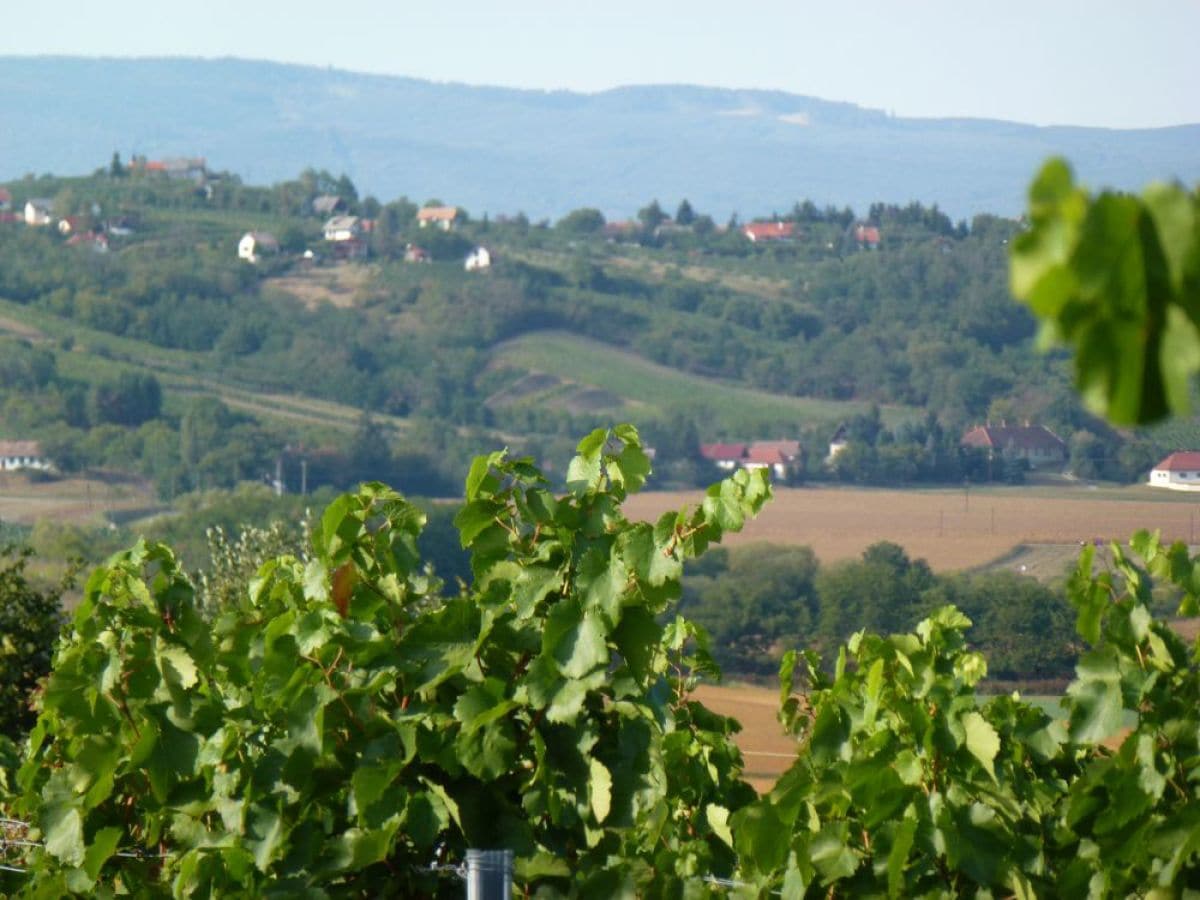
<point>68,224</point>
<point>725,457</point>
<point>16,455</point>
<point>1034,444</point>
<point>256,244</point>
<point>1178,472</point>
<point>194,168</point>
<point>343,228</point>
<point>38,211</point>
<point>5,200</point>
<point>867,236</point>
<point>479,258</point>
<point>783,458</point>
<point>759,232</point>
<point>443,217</point>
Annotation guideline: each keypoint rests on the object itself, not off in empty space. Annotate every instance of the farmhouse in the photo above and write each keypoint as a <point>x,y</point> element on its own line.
<point>255,244</point>
<point>479,258</point>
<point>342,228</point>
<point>442,217</point>
<point>194,168</point>
<point>1178,472</point>
<point>783,458</point>
<point>725,457</point>
<point>38,211</point>
<point>757,232</point>
<point>1035,444</point>
<point>16,455</point>
<point>867,236</point>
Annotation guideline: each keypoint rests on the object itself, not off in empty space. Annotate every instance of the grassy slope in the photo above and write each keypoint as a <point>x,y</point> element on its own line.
<point>658,389</point>
<point>182,373</point>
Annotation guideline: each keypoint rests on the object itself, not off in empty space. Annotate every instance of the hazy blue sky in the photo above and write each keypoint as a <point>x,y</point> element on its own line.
<point>1121,63</point>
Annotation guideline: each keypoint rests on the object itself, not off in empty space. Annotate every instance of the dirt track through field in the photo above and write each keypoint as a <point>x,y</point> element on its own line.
<point>952,529</point>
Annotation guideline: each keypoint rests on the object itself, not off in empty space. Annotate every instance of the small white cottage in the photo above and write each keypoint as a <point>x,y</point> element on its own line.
<point>479,258</point>
<point>255,244</point>
<point>1178,472</point>
<point>15,455</point>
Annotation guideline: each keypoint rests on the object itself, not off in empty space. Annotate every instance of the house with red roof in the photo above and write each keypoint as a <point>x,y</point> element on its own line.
<point>443,217</point>
<point>783,458</point>
<point>1035,444</point>
<point>759,232</point>
<point>867,236</point>
<point>1178,472</point>
<point>725,457</point>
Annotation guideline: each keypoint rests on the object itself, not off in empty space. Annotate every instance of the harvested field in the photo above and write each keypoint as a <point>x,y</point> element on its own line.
<point>76,500</point>
<point>952,529</point>
<point>766,750</point>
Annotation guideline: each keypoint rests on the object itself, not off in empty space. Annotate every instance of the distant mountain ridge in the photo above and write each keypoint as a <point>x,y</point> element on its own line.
<point>502,150</point>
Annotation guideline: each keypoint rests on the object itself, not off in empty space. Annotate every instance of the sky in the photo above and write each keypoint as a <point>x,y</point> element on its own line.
<point>1110,63</point>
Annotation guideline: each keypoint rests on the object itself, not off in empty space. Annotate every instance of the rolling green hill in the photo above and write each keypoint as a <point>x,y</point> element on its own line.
<point>637,387</point>
<point>152,346</point>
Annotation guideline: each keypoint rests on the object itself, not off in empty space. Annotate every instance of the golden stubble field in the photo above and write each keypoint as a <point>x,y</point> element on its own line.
<point>766,750</point>
<point>77,500</point>
<point>951,529</point>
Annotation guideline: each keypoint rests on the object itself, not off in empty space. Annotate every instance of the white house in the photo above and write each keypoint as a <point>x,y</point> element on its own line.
<point>1178,472</point>
<point>38,211</point>
<point>343,228</point>
<point>255,244</point>
<point>442,217</point>
<point>16,455</point>
<point>479,258</point>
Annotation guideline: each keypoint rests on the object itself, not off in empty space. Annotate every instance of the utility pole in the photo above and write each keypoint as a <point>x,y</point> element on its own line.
<point>303,477</point>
